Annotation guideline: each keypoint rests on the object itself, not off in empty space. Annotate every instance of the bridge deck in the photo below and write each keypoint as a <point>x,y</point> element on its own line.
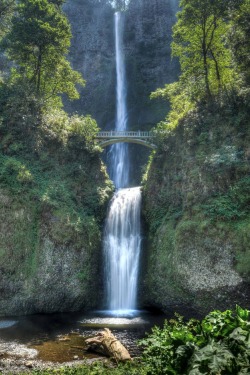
<point>107,138</point>
<point>124,134</point>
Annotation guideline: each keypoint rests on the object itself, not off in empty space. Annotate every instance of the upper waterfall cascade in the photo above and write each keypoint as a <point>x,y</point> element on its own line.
<point>119,158</point>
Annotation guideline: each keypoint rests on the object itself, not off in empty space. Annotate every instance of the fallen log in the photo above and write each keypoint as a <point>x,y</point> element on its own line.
<point>106,343</point>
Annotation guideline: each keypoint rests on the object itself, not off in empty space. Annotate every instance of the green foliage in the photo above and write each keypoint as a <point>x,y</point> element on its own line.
<point>219,344</point>
<point>178,95</point>
<point>61,174</point>
<point>210,38</point>
<point>239,37</point>
<point>83,128</point>
<point>231,206</point>
<point>6,12</point>
<point>14,173</point>
<point>78,132</point>
<point>199,42</point>
<point>37,43</point>
<point>48,158</point>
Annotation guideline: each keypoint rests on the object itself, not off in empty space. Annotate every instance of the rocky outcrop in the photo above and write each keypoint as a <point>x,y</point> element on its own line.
<point>148,36</point>
<point>47,265</point>
<point>92,54</point>
<point>52,204</point>
<point>196,203</point>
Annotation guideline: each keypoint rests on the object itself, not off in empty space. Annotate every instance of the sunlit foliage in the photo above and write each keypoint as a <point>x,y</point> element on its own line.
<point>210,40</point>
<point>38,43</point>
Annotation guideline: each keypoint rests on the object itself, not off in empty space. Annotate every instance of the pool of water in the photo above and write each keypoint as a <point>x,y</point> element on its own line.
<point>60,337</point>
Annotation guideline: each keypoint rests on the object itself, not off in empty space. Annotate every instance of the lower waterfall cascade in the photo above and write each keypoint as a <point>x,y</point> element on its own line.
<point>122,249</point>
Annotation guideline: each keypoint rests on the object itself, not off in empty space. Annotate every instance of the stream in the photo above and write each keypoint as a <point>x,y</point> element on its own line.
<point>59,338</point>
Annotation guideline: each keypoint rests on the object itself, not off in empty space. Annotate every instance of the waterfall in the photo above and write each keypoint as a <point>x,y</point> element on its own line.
<point>122,237</point>
<point>122,248</point>
<point>119,158</point>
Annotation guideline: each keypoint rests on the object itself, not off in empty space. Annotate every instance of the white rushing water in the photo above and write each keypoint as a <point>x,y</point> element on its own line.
<point>119,159</point>
<point>122,237</point>
<point>122,249</point>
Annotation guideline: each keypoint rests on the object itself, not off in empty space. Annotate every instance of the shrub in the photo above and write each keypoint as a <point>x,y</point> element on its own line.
<point>219,344</point>
<point>232,205</point>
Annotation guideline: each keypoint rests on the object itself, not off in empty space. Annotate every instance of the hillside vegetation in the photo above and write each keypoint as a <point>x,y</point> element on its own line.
<point>197,187</point>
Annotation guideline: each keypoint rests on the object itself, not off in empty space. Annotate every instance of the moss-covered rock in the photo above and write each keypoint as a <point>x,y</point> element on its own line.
<point>196,205</point>
<point>53,201</point>
<point>41,272</point>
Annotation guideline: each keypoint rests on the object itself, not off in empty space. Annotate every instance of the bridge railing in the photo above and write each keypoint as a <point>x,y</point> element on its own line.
<point>124,134</point>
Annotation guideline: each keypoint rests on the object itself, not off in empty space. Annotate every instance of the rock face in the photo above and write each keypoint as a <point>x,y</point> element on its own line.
<point>42,269</point>
<point>196,203</point>
<point>147,38</point>
<point>92,54</point>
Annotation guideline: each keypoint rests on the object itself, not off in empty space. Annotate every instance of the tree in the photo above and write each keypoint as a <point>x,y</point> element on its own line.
<point>200,43</point>
<point>38,43</point>
<point>6,12</point>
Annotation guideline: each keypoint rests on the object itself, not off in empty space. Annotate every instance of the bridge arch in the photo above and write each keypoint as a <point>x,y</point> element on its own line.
<point>107,138</point>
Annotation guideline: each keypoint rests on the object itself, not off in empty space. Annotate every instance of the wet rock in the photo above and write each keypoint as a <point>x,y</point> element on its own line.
<point>63,338</point>
<point>29,364</point>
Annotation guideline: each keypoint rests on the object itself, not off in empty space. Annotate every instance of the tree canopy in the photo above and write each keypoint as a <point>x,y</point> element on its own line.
<point>210,40</point>
<point>38,42</point>
<point>199,42</point>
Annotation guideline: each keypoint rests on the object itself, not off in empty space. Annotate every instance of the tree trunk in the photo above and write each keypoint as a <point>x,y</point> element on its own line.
<point>38,70</point>
<point>106,343</point>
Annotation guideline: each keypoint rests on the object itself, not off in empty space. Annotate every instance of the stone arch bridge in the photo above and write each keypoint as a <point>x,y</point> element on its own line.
<point>144,138</point>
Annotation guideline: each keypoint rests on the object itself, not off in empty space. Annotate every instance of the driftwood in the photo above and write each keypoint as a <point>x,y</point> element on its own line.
<point>106,343</point>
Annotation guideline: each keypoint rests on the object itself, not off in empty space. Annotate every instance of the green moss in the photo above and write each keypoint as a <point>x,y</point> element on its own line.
<point>18,232</point>
<point>161,277</point>
<point>242,248</point>
<point>233,205</point>
<point>96,368</point>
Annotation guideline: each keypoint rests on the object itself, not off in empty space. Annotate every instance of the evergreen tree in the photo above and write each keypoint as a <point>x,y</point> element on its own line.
<point>38,43</point>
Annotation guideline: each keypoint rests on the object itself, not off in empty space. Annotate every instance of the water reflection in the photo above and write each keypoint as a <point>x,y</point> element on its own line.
<point>7,323</point>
